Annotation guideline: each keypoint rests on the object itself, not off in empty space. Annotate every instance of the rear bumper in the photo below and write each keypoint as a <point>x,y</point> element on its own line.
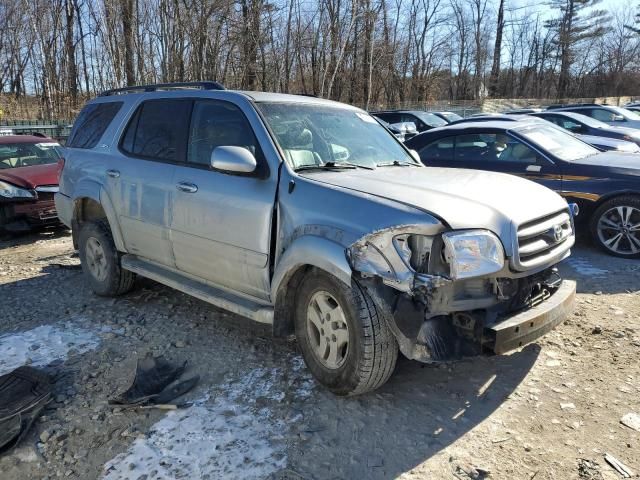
<point>64,208</point>
<point>531,324</point>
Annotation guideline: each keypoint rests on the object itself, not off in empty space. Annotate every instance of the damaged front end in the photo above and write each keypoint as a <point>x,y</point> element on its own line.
<point>449,295</point>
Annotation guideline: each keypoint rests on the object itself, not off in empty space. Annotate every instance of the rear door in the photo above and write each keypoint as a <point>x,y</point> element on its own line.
<point>221,224</point>
<point>140,178</point>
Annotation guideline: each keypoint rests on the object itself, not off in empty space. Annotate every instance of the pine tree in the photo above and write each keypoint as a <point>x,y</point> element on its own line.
<point>576,23</point>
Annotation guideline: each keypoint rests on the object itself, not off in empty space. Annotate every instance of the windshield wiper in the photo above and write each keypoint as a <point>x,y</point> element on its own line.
<point>333,166</point>
<point>397,163</point>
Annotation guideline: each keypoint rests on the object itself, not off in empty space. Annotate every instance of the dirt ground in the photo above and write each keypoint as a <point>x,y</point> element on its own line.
<point>549,411</point>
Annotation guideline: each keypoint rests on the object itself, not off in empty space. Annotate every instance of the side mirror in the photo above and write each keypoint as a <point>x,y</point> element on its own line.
<point>233,159</point>
<point>415,155</point>
<point>618,118</point>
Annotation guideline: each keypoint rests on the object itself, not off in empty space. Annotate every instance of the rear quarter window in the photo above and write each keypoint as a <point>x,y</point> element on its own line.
<point>92,123</point>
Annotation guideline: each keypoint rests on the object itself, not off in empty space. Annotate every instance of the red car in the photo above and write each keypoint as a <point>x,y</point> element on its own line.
<point>28,180</point>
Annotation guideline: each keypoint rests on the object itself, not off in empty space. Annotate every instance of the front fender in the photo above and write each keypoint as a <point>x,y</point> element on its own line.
<point>312,251</point>
<point>93,190</point>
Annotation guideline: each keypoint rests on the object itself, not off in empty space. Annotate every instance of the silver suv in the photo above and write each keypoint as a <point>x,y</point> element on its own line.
<point>308,215</point>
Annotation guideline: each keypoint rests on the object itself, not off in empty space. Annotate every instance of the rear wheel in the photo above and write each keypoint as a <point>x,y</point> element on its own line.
<point>344,339</point>
<point>615,226</point>
<point>101,261</point>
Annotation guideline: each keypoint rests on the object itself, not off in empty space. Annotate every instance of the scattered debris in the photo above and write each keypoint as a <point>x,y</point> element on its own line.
<point>154,384</point>
<point>631,420</point>
<point>465,471</point>
<point>618,465</point>
<point>23,394</point>
<point>589,470</point>
<point>597,330</point>
<point>567,406</point>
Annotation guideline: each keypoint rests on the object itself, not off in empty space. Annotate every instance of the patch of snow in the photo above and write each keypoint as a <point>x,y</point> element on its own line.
<point>227,434</point>
<point>42,345</point>
<point>584,267</point>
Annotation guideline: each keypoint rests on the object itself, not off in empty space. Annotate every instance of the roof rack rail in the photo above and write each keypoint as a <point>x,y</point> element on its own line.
<point>206,85</point>
<point>563,105</point>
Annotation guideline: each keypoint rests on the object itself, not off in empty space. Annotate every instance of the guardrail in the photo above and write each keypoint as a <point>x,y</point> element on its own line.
<point>59,130</point>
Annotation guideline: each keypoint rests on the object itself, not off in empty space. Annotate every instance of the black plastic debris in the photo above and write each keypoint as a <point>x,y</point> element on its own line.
<point>155,383</point>
<point>24,393</point>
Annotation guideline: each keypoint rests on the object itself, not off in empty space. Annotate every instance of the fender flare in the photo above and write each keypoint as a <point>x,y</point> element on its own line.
<point>96,192</point>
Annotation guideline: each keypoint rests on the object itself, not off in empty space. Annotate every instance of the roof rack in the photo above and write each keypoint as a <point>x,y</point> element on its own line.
<point>563,105</point>
<point>208,85</point>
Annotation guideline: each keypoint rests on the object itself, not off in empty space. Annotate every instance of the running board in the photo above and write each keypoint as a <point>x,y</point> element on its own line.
<point>213,295</point>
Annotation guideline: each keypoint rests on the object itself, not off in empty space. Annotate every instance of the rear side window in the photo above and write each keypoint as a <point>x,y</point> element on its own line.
<point>92,123</point>
<point>158,130</point>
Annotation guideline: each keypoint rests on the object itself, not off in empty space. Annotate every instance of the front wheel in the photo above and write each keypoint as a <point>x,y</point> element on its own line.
<point>615,226</point>
<point>345,340</point>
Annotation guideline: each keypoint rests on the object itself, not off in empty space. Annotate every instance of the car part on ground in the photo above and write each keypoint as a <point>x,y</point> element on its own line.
<point>330,229</point>
<point>155,383</point>
<point>24,392</point>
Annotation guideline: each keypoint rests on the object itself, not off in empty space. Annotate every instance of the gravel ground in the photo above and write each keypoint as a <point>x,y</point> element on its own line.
<point>549,411</point>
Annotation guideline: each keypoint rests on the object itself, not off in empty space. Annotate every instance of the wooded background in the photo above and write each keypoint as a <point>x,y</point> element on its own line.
<point>365,52</point>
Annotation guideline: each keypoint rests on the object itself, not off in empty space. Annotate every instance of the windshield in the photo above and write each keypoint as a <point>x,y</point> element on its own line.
<point>553,140</point>
<point>628,114</point>
<point>317,135</point>
<point>430,119</point>
<point>590,122</point>
<point>450,116</point>
<point>14,155</point>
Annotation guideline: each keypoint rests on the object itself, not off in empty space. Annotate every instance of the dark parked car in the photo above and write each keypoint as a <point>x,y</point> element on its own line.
<point>584,125</point>
<point>606,185</point>
<point>448,116</point>
<point>422,120</point>
<point>610,114</point>
<point>601,143</point>
<point>28,180</point>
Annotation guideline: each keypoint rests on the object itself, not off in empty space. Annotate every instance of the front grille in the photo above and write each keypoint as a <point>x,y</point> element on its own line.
<point>544,239</point>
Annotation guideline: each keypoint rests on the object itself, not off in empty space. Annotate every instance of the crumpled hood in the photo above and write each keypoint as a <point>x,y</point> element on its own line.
<point>461,198</point>
<point>31,177</point>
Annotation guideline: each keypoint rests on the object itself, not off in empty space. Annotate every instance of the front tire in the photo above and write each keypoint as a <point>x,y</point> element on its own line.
<point>101,261</point>
<point>615,226</point>
<point>345,340</point>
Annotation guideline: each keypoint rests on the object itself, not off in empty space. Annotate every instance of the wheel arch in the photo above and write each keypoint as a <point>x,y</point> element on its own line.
<point>91,202</point>
<point>304,254</point>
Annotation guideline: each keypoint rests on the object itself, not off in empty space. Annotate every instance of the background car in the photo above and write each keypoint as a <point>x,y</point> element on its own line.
<point>422,120</point>
<point>601,143</point>
<point>402,131</point>
<point>584,125</point>
<point>610,114</point>
<point>28,179</point>
<point>448,116</point>
<point>519,111</point>
<point>606,185</point>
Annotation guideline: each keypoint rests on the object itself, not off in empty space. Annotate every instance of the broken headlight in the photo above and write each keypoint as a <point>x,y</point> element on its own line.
<point>414,250</point>
<point>473,253</point>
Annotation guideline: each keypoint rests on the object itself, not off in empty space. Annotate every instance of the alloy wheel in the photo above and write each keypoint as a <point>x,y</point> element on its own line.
<point>96,259</point>
<point>327,330</point>
<point>619,230</point>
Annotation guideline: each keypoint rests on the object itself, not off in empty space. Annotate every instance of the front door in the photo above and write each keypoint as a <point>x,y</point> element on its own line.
<point>221,225</point>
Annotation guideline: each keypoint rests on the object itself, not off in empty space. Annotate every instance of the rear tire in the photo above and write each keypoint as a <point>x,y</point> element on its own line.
<point>345,340</point>
<point>615,226</point>
<point>101,261</point>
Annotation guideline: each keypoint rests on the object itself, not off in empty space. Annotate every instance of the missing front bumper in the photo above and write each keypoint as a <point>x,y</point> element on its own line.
<point>437,339</point>
<point>531,324</point>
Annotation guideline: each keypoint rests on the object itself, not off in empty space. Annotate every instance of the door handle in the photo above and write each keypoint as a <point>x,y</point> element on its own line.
<point>113,173</point>
<point>187,187</point>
